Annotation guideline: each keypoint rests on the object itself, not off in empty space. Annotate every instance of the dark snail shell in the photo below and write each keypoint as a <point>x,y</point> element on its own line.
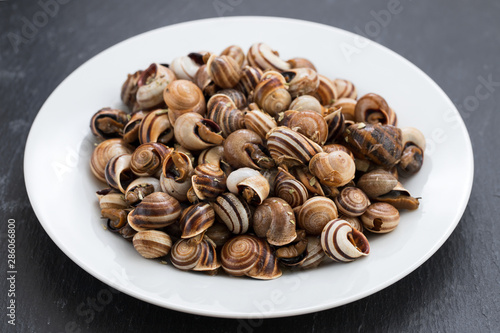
<point>104,152</point>
<point>326,92</point>
<point>224,70</point>
<point>108,123</point>
<point>373,109</point>
<point>352,201</point>
<point>131,129</point>
<point>233,211</point>
<point>196,219</point>
<point>155,127</point>
<point>290,189</point>
<point>271,94</point>
<point>309,123</point>
<point>260,55</point>
<point>151,84</point>
<point>301,81</point>
<point>152,243</point>
<point>129,89</point>
<point>235,52</point>
<point>336,124</point>
<point>244,148</point>
<point>274,220</point>
<point>296,252</point>
<point>196,254</point>
<point>222,110</point>
<point>117,218</point>
<point>342,243</point>
<point>411,162</point>
<point>219,234</point>
<point>315,213</point>
<point>209,181</point>
<point>157,210</point>
<point>399,197</point>
<point>380,217</point>
<point>345,89</point>
<point>250,77</point>
<point>147,159</point>
<point>183,96</point>
<point>141,188</point>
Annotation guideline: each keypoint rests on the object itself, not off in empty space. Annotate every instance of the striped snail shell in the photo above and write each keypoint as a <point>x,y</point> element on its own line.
<point>380,144</point>
<point>301,63</point>
<point>343,243</point>
<point>104,152</point>
<point>326,92</point>
<point>333,169</point>
<point>315,253</point>
<point>345,89</point>
<point>195,133</point>
<point>259,122</point>
<point>129,89</point>
<point>301,81</point>
<point>380,217</point>
<point>315,214</point>
<point>185,67</point>
<point>235,52</point>
<point>250,184</point>
<point>177,165</point>
<point>290,148</point>
<point>399,197</point>
<point>205,82</point>
<point>306,103</point>
<point>151,85</point>
<point>239,99</point>
<point>244,148</point>
<point>155,211</point>
<point>196,219</point>
<point>147,159</point>
<point>336,124</point>
<point>355,222</point>
<point>377,182</point>
<point>251,256</point>
<point>209,181</point>
<point>155,127</point>
<point>222,110</point>
<point>196,254</point>
<point>131,129</point>
<point>271,94</point>
<point>352,201</point>
<point>152,243</point>
<point>347,106</point>
<point>183,96</point>
<point>111,200</point>
<point>141,188</point>
<point>274,220</point>
<point>214,156</point>
<point>233,211</point>
<point>250,77</point>
<point>294,253</point>
<point>373,109</point>
<point>412,157</point>
<point>223,70</point>
<point>336,147</point>
<point>260,55</point>
<point>108,123</point>
<point>309,123</point>
<point>118,174</point>
<point>175,189</point>
<point>290,189</point>
<point>219,234</point>
<point>117,218</point>
<point>308,180</point>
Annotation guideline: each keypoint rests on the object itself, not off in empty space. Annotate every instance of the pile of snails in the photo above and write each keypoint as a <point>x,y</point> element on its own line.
<point>251,163</point>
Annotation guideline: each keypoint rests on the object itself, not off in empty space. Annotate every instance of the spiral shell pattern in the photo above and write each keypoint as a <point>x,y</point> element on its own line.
<point>182,96</point>
<point>342,243</point>
<point>147,159</point>
<point>190,254</point>
<point>209,181</point>
<point>309,123</point>
<point>290,189</point>
<point>333,169</point>
<point>250,77</point>
<point>152,243</point>
<point>224,71</point>
<point>235,52</point>
<point>373,109</point>
<point>104,152</point>
<point>347,106</point>
<point>196,219</point>
<point>352,201</point>
<point>155,127</point>
<point>345,89</point>
<point>260,55</point>
<point>157,210</point>
<point>315,214</point>
<point>223,111</point>
<point>274,220</point>
<point>271,93</point>
<point>326,92</point>
<point>259,122</point>
<point>233,211</point>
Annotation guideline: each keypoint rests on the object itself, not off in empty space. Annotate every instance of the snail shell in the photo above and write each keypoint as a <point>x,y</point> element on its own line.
<point>271,93</point>
<point>353,221</point>
<point>308,180</point>
<point>219,234</point>
<point>347,106</point>
<point>118,174</point>
<point>223,111</point>
<point>336,124</point>
<point>294,253</point>
<point>235,52</point>
<point>117,218</point>
<point>345,89</point>
<point>373,109</point>
<point>381,144</point>
<point>244,148</point>
<point>262,56</point>
<point>196,219</point>
<point>274,219</point>
<point>175,189</point>
<point>233,211</point>
<point>155,127</point>
<point>290,189</point>
<point>141,188</point>
<point>248,183</point>
<point>333,169</point>
<point>152,243</point>
<point>112,200</point>
<point>250,77</point>
<point>315,253</point>
<point>183,96</point>
<point>204,82</point>
<point>129,89</point>
<point>306,103</point>
<point>400,198</point>
<point>104,152</point>
<point>184,67</point>
<point>290,148</point>
<point>147,159</point>
<point>326,92</point>
<point>177,165</point>
<point>259,122</point>
<point>239,99</point>
<point>411,162</point>
<point>151,85</point>
<point>380,217</point>
<point>343,243</point>
<point>250,256</point>
<point>412,136</point>
<point>214,156</point>
<point>301,63</point>
<point>131,129</point>
<point>377,182</point>
<point>155,211</point>
<point>195,133</point>
<point>209,181</point>
<point>352,201</point>
<point>196,254</point>
<point>224,70</point>
<point>315,213</point>
<point>108,123</point>
<point>309,123</point>
<point>301,81</point>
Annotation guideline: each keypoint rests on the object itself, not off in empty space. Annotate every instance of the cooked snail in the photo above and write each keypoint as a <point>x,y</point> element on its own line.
<point>352,201</point>
<point>380,217</point>
<point>271,94</point>
<point>301,81</point>
<point>196,219</point>
<point>315,213</point>
<point>260,55</point>
<point>108,123</point>
<point>223,111</point>
<point>155,211</point>
<point>333,169</point>
<point>342,243</point>
<point>183,96</point>
<point>129,89</point>
<point>196,254</point>
<point>152,243</point>
<point>155,127</point>
<point>274,220</point>
<point>309,123</point>
<point>244,148</point>
<point>151,85</point>
<point>345,89</point>
<point>104,152</point>
<point>224,70</point>
<point>289,189</point>
<point>209,181</point>
<point>195,133</point>
<point>233,211</point>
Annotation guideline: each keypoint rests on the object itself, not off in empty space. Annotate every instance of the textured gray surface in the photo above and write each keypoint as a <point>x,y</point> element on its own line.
<point>454,42</point>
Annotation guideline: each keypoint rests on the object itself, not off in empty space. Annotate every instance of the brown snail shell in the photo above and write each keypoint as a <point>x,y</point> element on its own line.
<point>155,127</point>
<point>315,253</point>
<point>355,222</point>
<point>377,182</point>
<point>250,77</point>
<point>214,156</point>
<point>343,243</point>
<point>259,122</point>
<point>152,243</point>
<point>309,123</point>
<point>336,124</point>
<point>306,103</point>
<point>411,162</point>
<point>336,147</point>
<point>239,99</point>
<point>205,82</point>
<point>274,220</point>
<point>112,200</point>
<point>301,81</point>
<point>373,109</point>
<point>233,211</point>
<point>104,152</point>
<point>290,148</point>
<point>271,94</point>
<point>183,96</point>
<point>345,89</point>
<point>301,63</point>
<point>334,169</point>
<point>223,111</point>
<point>235,52</point>
<point>223,70</point>
<point>315,214</point>
<point>251,256</point>
<point>209,181</point>
<point>296,252</point>
<point>175,189</point>
<point>290,189</point>
<point>326,92</point>
<point>147,159</point>
<point>117,173</point>
<point>250,184</point>
<point>219,234</point>
<point>129,89</point>
<point>380,144</point>
<point>108,123</point>
<point>196,254</point>
<point>352,201</point>
<point>117,218</point>
<point>151,85</point>
<point>177,165</point>
<point>195,133</point>
<point>155,211</point>
<point>196,219</point>
<point>400,198</point>
<point>308,180</point>
<point>185,67</point>
<point>244,148</point>
<point>380,217</point>
<point>260,55</point>
<point>347,106</point>
<point>141,188</point>
<point>412,136</point>
<point>131,129</point>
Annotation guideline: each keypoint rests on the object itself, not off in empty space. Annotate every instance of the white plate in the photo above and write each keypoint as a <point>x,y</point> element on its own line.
<point>61,187</point>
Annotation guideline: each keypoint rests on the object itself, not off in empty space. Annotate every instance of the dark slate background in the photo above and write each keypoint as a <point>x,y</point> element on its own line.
<point>456,42</point>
